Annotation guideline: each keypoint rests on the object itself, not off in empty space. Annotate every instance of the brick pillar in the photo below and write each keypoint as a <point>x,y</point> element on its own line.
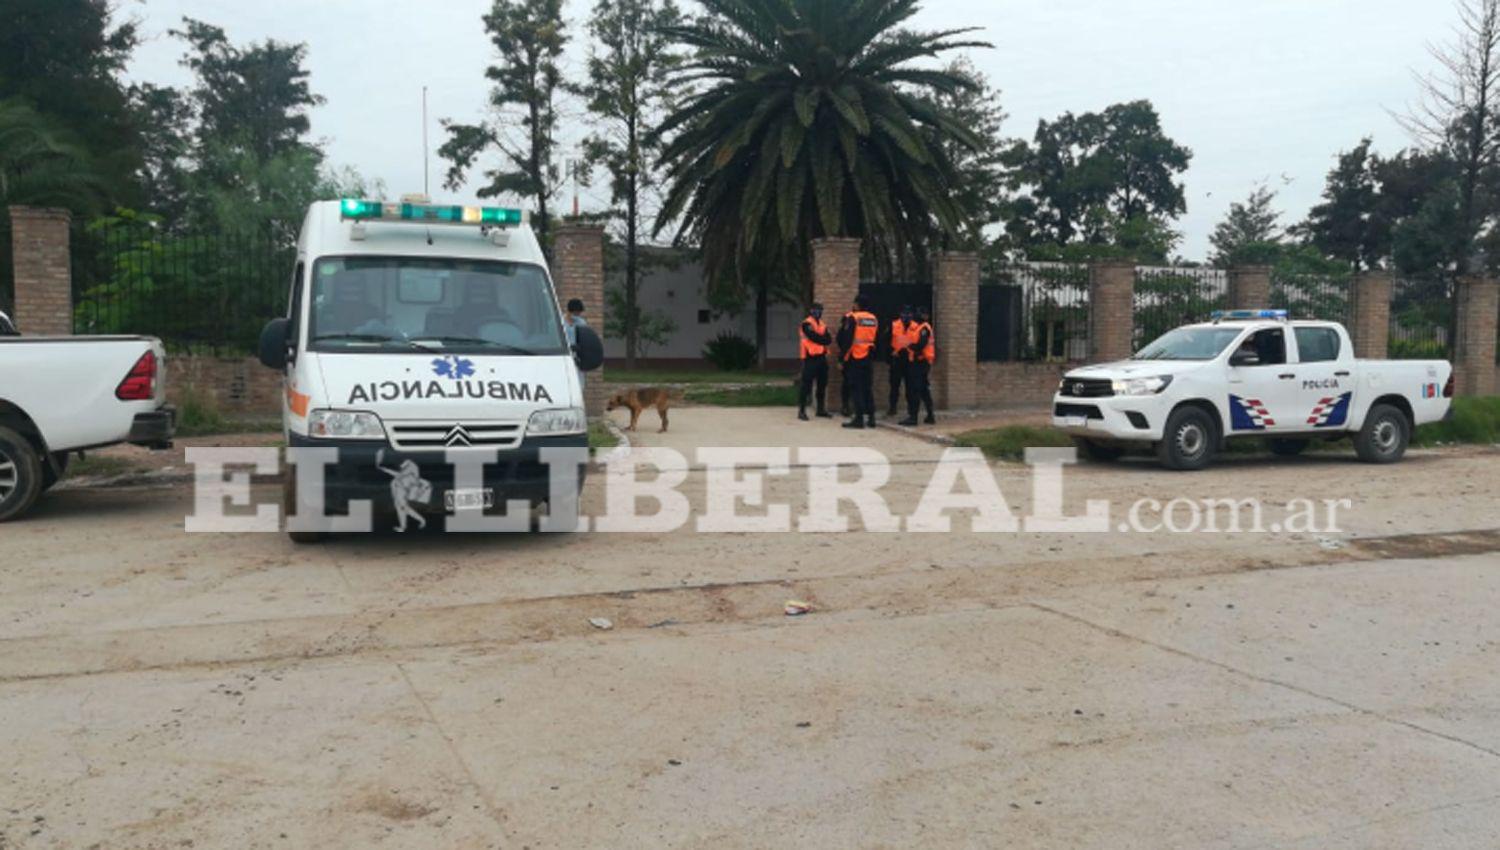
<point>1111,310</point>
<point>955,306</point>
<point>1474,350</point>
<point>43,270</point>
<point>835,274</point>
<point>1370,316</point>
<point>578,272</point>
<point>1250,288</point>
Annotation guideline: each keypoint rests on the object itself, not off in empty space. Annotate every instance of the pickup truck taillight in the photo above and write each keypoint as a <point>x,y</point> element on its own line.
<point>1448,387</point>
<point>140,382</point>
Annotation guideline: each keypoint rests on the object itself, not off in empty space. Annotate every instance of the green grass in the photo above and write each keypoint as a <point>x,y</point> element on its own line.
<point>95,464</point>
<point>1011,441</point>
<point>198,414</point>
<point>675,376</point>
<point>765,395</point>
<point>1475,420</point>
<point>601,437</point>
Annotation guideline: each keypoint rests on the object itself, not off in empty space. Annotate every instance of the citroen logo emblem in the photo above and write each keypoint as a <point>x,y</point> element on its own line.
<point>457,436</point>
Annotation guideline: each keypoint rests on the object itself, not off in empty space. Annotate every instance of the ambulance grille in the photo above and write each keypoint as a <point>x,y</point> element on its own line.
<point>437,436</point>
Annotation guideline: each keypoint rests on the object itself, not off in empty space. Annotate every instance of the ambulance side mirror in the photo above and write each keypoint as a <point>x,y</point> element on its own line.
<point>588,351</point>
<point>273,344</point>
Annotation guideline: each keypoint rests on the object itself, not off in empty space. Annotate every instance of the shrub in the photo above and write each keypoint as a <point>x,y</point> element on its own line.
<point>730,352</point>
<point>1417,349</point>
<point>198,414</point>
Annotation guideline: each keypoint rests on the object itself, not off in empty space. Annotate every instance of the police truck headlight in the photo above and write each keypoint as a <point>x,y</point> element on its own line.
<point>550,423</point>
<point>1142,386</point>
<point>345,424</point>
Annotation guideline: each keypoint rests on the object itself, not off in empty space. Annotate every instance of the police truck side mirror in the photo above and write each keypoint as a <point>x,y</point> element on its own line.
<point>588,351</point>
<point>273,344</point>
<point>1244,358</point>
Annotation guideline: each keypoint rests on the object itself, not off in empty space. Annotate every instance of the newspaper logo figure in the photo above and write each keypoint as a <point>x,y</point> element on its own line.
<point>407,486</point>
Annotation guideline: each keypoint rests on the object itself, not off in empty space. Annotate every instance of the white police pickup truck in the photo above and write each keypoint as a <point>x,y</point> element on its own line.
<point>60,395</point>
<point>417,331</point>
<point>1250,373</point>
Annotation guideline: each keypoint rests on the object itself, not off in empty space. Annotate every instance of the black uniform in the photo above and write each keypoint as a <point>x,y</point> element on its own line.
<point>814,369</point>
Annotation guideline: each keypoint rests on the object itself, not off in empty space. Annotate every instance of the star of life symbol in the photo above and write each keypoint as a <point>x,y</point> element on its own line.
<point>453,366</point>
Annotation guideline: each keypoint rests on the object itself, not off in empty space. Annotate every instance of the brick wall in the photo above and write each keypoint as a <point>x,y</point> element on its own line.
<point>1111,310</point>
<point>955,317</point>
<point>835,271</point>
<point>1474,353</point>
<point>43,270</point>
<point>1370,322</point>
<point>1018,384</point>
<point>1250,288</point>
<point>578,272</point>
<point>236,386</point>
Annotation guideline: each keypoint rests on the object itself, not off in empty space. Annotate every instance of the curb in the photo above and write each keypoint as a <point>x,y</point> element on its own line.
<point>925,436</point>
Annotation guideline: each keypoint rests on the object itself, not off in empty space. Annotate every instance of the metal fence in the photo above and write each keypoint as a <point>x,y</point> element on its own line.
<point>1049,307</point>
<point>1166,297</point>
<point>1327,297</point>
<point>198,292</point>
<point>1420,312</point>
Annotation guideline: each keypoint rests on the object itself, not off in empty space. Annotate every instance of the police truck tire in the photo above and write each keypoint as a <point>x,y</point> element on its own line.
<point>20,475</point>
<point>1287,446</point>
<point>1189,440</point>
<point>1097,451</point>
<point>289,507</point>
<point>1384,437</point>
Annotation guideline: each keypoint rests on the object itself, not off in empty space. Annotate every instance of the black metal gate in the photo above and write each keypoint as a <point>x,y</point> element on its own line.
<point>999,323</point>
<point>886,301</point>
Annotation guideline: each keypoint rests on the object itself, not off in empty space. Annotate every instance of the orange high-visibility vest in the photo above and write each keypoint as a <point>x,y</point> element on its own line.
<point>929,351</point>
<point>903,336</point>
<point>865,328</point>
<point>810,348</point>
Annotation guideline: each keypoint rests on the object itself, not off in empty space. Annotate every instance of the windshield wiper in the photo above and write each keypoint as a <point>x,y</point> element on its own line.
<point>353,337</point>
<point>474,340</point>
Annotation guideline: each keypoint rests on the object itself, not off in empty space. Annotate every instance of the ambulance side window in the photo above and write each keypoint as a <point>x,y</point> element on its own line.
<point>294,310</point>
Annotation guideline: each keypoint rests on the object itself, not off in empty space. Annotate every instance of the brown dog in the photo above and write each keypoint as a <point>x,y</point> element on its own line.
<point>639,399</point>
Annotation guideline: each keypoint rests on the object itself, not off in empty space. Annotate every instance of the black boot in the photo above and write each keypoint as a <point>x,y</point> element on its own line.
<point>823,414</point>
<point>908,422</point>
<point>891,411</point>
<point>870,422</point>
<point>930,420</point>
<point>856,422</point>
<point>802,413</point>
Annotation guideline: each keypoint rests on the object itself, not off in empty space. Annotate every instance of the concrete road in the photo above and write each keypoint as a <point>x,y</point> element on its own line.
<point>1116,690</point>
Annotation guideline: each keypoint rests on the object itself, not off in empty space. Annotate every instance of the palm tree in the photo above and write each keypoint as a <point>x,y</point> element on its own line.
<point>40,165</point>
<point>812,121</point>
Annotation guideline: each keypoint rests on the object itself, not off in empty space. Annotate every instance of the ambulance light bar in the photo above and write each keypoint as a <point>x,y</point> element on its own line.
<point>354,209</point>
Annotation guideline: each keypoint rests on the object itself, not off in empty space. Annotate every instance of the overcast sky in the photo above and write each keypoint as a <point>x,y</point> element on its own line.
<point>1261,90</point>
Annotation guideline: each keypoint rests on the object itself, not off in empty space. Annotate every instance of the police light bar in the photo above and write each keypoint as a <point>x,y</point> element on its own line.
<point>353,209</point>
<point>1219,315</point>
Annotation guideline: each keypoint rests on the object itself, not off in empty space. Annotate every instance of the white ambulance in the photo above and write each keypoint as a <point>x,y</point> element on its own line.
<point>414,330</point>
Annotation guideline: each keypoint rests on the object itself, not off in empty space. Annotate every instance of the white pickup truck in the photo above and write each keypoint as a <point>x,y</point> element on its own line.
<point>60,395</point>
<point>1250,373</point>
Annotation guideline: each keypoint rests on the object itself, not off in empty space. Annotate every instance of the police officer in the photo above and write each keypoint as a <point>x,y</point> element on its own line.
<point>857,343</point>
<point>815,340</point>
<point>903,334</point>
<point>918,376</point>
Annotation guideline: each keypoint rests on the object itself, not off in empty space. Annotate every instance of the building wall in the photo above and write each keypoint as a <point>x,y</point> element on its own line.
<point>1017,384</point>
<point>681,293</point>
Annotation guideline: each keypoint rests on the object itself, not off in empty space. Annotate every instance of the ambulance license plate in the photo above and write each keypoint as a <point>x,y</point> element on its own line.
<point>469,500</point>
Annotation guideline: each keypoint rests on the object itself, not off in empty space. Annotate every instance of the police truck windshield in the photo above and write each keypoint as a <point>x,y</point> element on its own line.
<point>387,304</point>
<point>1199,343</point>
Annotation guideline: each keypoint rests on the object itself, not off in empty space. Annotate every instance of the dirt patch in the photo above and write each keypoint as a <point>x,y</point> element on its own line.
<point>392,807</point>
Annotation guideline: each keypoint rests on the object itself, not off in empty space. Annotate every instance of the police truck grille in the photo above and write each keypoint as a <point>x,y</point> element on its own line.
<point>1088,387</point>
<point>436,436</point>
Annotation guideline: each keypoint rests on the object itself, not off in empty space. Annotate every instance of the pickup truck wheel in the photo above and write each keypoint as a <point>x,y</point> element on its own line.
<point>1384,436</point>
<point>1189,439</point>
<point>289,507</point>
<point>1287,447</point>
<point>1097,451</point>
<point>20,475</point>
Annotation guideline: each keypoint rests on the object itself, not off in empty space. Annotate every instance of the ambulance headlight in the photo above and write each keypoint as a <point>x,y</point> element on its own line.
<point>566,420</point>
<point>345,425</point>
<point>1142,386</point>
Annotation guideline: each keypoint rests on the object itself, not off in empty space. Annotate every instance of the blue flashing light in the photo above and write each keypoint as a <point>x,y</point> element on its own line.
<point>1218,315</point>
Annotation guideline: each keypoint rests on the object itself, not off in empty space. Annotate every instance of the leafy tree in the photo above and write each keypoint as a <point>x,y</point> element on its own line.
<point>63,58</point>
<point>42,164</point>
<point>1090,177</point>
<point>529,36</point>
<point>1349,224</point>
<point>629,92</point>
<point>165,116</point>
<point>814,120</point>
<point>1250,227</point>
<point>624,318</point>
<point>980,170</point>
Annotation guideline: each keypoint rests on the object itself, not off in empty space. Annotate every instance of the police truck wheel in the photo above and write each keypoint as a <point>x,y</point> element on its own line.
<point>1287,447</point>
<point>1189,440</point>
<point>20,475</point>
<point>1384,436</point>
<point>1097,451</point>
<point>289,507</point>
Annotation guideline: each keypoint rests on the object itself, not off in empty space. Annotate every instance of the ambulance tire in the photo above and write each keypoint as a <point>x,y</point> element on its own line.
<point>289,507</point>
